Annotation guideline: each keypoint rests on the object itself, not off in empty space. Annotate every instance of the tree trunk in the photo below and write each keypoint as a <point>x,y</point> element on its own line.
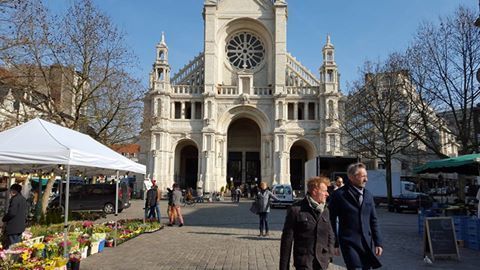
<point>47,192</point>
<point>388,178</point>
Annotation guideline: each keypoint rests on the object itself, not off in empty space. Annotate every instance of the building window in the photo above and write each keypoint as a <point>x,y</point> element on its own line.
<point>188,110</point>
<point>198,110</point>
<point>330,56</point>
<point>178,110</point>
<point>160,74</point>
<point>245,50</point>
<point>329,75</point>
<point>301,111</point>
<point>290,111</point>
<point>311,111</point>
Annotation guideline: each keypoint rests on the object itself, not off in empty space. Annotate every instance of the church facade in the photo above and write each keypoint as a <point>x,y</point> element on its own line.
<point>244,110</point>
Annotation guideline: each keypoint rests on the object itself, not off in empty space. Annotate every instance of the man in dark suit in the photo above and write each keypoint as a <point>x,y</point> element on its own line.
<point>15,218</point>
<point>358,235</point>
<point>307,227</point>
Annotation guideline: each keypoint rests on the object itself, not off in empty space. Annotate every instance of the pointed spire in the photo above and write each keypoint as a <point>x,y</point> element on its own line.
<point>329,44</point>
<point>162,41</point>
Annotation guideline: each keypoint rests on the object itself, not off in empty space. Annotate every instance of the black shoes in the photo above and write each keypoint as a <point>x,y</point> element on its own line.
<point>181,224</point>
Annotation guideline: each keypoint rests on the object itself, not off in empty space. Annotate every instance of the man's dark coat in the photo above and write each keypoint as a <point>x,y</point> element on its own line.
<point>311,235</point>
<point>358,233</point>
<point>16,216</point>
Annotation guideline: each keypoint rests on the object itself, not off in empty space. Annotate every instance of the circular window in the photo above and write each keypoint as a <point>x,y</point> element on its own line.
<point>245,50</point>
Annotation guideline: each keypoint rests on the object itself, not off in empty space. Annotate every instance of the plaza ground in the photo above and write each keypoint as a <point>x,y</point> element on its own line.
<point>223,235</point>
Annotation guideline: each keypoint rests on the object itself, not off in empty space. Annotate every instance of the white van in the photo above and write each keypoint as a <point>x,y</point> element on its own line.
<point>284,193</point>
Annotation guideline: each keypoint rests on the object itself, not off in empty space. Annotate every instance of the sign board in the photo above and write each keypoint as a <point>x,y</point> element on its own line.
<point>439,238</point>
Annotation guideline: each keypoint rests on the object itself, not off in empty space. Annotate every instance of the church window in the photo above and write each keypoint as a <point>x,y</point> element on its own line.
<point>178,110</point>
<point>329,75</point>
<point>245,50</point>
<point>290,111</point>
<point>300,111</point>
<point>198,110</point>
<point>330,56</point>
<point>160,74</point>
<point>161,55</point>
<point>188,110</point>
<point>331,110</point>
<point>311,111</point>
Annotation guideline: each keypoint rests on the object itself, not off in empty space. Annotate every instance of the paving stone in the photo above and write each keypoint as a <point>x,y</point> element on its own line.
<point>224,236</point>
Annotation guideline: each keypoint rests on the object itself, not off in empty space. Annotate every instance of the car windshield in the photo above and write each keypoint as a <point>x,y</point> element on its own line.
<point>280,190</point>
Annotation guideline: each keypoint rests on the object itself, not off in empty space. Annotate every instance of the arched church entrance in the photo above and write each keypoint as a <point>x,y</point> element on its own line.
<point>243,146</point>
<point>298,156</point>
<point>186,164</point>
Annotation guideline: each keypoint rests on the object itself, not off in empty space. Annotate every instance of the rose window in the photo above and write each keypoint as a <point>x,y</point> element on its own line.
<point>245,51</point>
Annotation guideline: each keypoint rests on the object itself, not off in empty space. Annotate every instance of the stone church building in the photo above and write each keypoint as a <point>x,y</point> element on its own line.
<point>244,110</point>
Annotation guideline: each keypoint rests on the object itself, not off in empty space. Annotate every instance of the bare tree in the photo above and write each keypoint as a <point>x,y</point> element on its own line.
<point>375,114</point>
<point>73,69</point>
<point>442,62</point>
<point>77,65</point>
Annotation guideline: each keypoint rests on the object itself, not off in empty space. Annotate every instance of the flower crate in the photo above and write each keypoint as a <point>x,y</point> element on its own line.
<point>94,247</point>
<point>101,245</point>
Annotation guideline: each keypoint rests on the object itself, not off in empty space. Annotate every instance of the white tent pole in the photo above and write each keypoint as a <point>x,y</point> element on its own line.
<point>116,206</point>
<point>65,225</point>
<point>144,198</point>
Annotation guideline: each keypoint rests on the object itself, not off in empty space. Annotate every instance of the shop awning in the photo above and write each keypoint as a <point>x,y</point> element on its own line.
<point>466,164</point>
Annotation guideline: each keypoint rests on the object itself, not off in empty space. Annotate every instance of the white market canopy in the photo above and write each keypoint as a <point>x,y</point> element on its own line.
<point>42,142</point>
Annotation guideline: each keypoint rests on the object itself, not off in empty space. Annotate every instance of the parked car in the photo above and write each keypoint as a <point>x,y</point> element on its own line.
<point>412,201</point>
<point>95,197</point>
<point>284,193</point>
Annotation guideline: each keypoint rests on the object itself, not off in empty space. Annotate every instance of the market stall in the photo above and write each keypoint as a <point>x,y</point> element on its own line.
<point>39,142</point>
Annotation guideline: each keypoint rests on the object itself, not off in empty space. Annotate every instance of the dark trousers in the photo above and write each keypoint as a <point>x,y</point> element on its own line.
<point>14,238</point>
<point>263,221</point>
<point>154,211</point>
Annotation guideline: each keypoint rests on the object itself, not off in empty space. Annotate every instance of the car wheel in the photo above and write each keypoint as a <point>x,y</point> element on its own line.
<point>120,210</point>
<point>109,208</point>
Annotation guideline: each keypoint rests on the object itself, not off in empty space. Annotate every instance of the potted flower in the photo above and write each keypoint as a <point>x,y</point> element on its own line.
<point>74,260</point>
<point>39,250</point>
<point>83,244</point>
<point>109,241</point>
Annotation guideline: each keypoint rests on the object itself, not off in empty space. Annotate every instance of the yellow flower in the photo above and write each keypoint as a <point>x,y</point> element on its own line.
<point>39,246</point>
<point>25,256</point>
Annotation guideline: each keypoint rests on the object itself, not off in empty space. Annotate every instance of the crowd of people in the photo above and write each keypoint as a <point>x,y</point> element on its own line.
<point>332,218</point>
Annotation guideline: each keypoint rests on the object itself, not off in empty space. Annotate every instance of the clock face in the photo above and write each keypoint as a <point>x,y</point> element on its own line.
<point>245,51</point>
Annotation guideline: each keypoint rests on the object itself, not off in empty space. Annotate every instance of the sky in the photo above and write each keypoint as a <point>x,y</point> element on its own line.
<point>360,30</point>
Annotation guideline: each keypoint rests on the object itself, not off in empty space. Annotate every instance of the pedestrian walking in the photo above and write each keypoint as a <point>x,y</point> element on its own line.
<point>15,218</point>
<point>263,200</point>
<point>238,194</point>
<point>175,211</point>
<point>307,227</point>
<point>358,235</point>
<point>338,182</point>
<point>152,204</point>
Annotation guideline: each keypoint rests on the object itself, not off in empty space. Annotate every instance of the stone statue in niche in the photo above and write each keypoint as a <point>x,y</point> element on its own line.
<point>244,98</point>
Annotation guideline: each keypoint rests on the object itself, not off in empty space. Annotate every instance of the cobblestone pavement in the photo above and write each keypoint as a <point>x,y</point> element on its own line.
<point>224,236</point>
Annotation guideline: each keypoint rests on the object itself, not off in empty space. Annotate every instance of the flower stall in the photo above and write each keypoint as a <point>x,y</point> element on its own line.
<point>43,247</point>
